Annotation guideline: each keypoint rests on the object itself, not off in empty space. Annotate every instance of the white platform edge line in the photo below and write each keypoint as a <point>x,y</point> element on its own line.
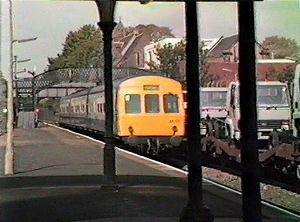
<point>176,169</point>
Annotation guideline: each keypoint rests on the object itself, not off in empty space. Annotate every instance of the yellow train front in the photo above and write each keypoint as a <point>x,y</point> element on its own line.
<point>150,112</point>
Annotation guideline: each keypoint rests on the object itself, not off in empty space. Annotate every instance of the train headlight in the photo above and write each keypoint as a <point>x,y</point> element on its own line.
<point>130,129</point>
<point>174,128</point>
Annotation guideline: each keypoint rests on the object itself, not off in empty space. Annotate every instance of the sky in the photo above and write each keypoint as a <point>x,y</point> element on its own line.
<point>51,21</point>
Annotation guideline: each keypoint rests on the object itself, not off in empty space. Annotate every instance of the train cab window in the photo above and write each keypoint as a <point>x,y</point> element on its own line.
<point>132,103</point>
<point>171,103</point>
<point>151,103</point>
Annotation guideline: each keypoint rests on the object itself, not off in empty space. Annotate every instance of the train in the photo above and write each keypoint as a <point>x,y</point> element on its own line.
<point>149,111</point>
<point>150,115</point>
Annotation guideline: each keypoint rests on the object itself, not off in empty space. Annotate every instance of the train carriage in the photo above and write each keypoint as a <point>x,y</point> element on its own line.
<point>148,111</point>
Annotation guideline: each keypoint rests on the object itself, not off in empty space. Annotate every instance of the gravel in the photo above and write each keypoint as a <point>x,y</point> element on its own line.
<point>269,193</point>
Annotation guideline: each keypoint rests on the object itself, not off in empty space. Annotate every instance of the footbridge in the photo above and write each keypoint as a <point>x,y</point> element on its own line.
<point>62,82</point>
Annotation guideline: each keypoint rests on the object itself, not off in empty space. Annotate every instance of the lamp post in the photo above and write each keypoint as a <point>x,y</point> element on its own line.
<point>24,40</point>
<point>9,152</point>
<point>107,24</point>
<point>15,62</point>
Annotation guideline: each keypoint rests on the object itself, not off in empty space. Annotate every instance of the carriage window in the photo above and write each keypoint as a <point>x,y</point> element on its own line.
<point>170,103</point>
<point>132,103</point>
<point>77,109</point>
<point>151,104</point>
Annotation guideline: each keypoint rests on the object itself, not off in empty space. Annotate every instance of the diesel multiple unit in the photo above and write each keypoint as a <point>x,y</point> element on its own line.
<point>148,111</point>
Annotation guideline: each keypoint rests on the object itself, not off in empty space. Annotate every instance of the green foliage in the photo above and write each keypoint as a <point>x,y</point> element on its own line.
<point>169,56</point>
<point>152,31</point>
<point>205,76</point>
<point>82,49</point>
<point>282,47</point>
<point>286,75</point>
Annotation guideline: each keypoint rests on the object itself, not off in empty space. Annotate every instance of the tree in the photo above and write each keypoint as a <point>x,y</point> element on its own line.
<point>170,55</point>
<point>152,31</point>
<point>205,76</point>
<point>285,75</point>
<point>282,47</point>
<point>84,48</point>
<point>81,49</point>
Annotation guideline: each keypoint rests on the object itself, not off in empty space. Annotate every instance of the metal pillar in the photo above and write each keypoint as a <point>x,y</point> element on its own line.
<point>109,150</point>
<point>195,211</point>
<point>248,120</point>
<point>107,24</point>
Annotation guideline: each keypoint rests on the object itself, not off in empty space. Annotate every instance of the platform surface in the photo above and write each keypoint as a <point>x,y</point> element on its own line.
<point>59,177</point>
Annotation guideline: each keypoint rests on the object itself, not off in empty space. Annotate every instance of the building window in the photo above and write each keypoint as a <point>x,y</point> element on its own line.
<point>150,56</point>
<point>137,58</point>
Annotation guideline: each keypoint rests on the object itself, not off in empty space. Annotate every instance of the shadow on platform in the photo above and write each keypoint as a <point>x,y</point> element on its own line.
<point>81,198</point>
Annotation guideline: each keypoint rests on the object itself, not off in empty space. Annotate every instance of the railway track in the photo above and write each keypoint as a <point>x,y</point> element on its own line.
<point>180,165</point>
<point>225,164</point>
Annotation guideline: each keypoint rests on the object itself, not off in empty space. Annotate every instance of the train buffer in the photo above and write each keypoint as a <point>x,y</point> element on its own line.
<point>59,176</point>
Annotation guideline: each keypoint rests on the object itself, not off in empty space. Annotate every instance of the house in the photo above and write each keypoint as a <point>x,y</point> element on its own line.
<point>129,50</point>
<point>227,50</point>
<point>208,44</point>
<point>228,71</point>
<point>150,50</point>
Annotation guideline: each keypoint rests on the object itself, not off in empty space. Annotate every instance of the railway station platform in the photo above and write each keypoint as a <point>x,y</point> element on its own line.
<point>59,176</point>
